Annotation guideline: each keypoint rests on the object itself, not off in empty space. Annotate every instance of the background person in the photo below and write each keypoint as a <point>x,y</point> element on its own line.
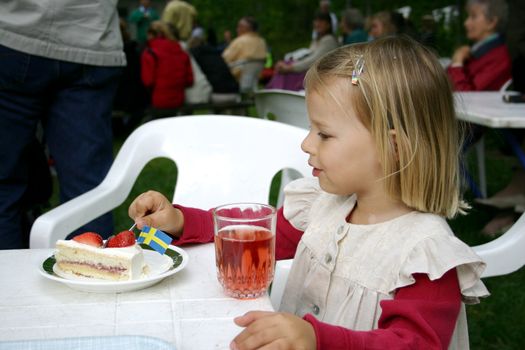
<point>324,7</point>
<point>247,46</point>
<point>165,68</point>
<point>141,18</point>
<point>511,198</point>
<point>60,69</point>
<point>486,65</point>
<point>289,75</point>
<point>383,24</point>
<point>227,39</point>
<point>224,85</point>
<point>181,16</point>
<point>352,27</point>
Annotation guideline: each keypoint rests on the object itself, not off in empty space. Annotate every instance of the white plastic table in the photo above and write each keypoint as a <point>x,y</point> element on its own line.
<point>188,309</point>
<point>488,109</point>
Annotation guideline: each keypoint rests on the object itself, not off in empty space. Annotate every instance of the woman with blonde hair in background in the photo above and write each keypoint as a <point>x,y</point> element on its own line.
<point>165,67</point>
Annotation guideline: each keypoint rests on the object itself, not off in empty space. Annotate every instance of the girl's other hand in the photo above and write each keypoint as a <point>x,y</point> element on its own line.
<point>271,330</point>
<point>154,209</point>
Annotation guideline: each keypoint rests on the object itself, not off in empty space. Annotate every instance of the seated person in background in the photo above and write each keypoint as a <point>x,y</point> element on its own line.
<point>486,65</point>
<point>224,85</point>
<point>511,198</point>
<point>247,46</point>
<point>324,43</point>
<point>383,23</point>
<point>227,39</point>
<point>165,67</point>
<point>352,24</point>
<point>324,7</point>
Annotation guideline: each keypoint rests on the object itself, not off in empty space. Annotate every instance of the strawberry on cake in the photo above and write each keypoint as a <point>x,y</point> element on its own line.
<point>122,259</point>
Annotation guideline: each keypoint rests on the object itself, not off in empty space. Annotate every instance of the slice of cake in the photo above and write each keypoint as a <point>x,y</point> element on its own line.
<point>85,255</point>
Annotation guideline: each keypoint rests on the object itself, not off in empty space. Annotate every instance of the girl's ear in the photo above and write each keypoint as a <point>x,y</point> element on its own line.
<point>393,139</point>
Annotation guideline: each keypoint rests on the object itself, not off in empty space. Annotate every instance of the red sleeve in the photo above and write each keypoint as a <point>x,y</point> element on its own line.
<point>484,79</point>
<point>421,316</point>
<point>147,68</point>
<point>287,238</point>
<point>198,228</point>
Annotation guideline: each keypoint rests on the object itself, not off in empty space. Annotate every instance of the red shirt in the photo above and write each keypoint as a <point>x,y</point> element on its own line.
<point>166,70</point>
<point>421,316</point>
<point>488,69</point>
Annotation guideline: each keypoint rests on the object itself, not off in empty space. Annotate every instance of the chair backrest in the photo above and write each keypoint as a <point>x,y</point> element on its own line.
<point>220,159</point>
<point>250,72</point>
<point>289,107</point>
<point>505,87</point>
<point>506,253</point>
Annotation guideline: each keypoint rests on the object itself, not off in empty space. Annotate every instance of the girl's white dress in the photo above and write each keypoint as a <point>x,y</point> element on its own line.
<point>342,271</point>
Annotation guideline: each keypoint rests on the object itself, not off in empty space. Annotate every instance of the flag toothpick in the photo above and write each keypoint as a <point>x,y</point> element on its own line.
<point>154,238</point>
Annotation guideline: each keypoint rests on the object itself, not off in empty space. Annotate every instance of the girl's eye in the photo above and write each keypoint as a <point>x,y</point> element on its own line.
<point>323,136</point>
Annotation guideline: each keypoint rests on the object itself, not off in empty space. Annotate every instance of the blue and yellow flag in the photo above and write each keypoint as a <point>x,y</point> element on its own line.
<point>156,239</point>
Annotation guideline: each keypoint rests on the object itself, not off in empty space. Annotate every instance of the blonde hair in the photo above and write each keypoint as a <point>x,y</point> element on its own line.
<point>404,88</point>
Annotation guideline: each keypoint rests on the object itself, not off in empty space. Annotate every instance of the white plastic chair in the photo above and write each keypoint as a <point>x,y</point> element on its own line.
<point>250,72</point>
<point>220,159</point>
<point>280,276</point>
<point>506,253</point>
<point>287,107</point>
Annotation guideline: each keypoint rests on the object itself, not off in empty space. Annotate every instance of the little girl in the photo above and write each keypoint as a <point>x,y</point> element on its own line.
<point>376,265</point>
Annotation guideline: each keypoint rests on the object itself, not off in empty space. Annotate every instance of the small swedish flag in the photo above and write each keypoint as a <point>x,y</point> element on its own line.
<point>156,239</point>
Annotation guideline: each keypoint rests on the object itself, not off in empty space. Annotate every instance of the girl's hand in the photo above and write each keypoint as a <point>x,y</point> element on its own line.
<point>273,330</point>
<point>153,209</point>
<point>461,55</point>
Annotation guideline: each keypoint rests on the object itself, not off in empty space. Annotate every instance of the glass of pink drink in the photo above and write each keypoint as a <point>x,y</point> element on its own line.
<point>245,248</point>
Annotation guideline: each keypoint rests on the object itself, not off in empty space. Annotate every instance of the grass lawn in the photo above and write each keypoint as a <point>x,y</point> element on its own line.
<point>495,323</point>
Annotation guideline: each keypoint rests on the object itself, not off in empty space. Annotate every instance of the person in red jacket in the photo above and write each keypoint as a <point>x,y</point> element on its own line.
<point>165,67</point>
<point>486,65</point>
<point>483,67</point>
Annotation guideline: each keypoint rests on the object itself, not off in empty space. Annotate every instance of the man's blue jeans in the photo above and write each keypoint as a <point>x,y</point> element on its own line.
<point>73,102</point>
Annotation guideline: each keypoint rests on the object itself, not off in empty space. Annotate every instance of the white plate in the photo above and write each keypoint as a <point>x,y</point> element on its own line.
<point>161,266</point>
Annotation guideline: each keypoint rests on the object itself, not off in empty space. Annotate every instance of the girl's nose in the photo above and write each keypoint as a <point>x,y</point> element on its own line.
<point>306,145</point>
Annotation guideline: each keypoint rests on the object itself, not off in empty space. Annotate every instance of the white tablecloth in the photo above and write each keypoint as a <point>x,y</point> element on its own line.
<point>188,309</point>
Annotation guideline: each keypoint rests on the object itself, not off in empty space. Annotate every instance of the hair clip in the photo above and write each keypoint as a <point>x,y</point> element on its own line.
<point>358,69</point>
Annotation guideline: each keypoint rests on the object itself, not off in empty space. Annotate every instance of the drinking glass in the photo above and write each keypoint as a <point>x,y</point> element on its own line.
<point>245,248</point>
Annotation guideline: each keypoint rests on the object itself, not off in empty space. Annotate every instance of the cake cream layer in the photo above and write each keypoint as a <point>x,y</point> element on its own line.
<point>104,263</point>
